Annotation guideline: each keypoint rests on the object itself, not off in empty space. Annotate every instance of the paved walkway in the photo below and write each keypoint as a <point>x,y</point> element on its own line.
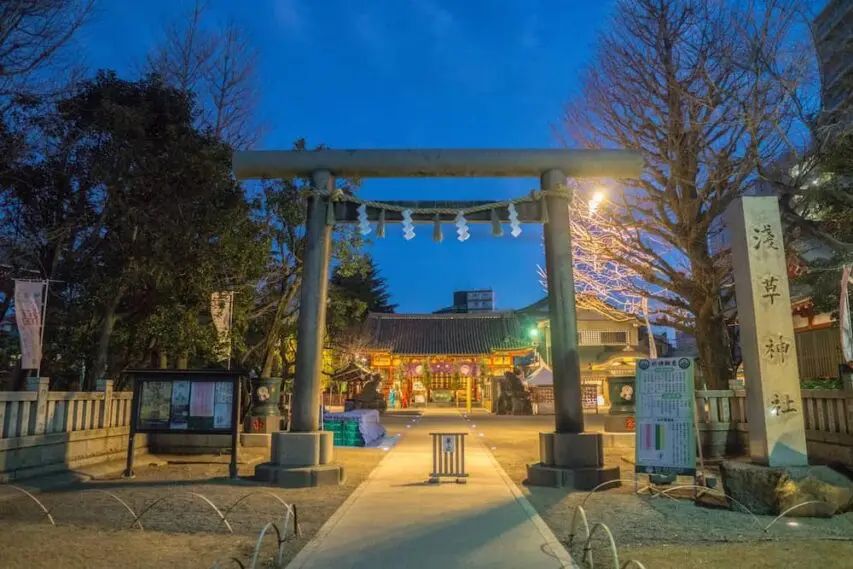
<point>395,520</point>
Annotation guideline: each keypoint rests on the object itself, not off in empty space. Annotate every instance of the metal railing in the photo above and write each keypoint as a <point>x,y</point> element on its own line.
<point>448,457</point>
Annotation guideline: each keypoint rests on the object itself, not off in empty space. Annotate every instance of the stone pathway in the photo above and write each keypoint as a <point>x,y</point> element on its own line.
<point>396,520</point>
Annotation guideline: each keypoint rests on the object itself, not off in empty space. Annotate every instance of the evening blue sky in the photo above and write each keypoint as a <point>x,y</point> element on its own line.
<point>404,73</point>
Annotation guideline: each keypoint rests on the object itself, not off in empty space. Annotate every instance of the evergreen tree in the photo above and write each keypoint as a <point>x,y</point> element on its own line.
<point>352,295</point>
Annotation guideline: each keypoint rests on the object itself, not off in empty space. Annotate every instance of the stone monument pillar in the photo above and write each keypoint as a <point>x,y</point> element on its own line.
<point>774,403</point>
<point>569,457</point>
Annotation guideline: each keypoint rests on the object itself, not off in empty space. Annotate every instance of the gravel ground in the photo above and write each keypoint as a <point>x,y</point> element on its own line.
<point>658,527</point>
<point>180,529</point>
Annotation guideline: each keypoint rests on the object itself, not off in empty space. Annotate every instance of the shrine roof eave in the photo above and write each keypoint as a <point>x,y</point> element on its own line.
<point>450,355</point>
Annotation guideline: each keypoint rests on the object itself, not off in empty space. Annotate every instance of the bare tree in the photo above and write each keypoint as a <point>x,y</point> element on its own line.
<point>701,89</point>
<point>186,50</point>
<point>33,33</point>
<point>216,64</point>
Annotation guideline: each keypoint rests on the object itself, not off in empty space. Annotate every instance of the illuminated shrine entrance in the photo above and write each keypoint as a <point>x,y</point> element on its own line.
<point>569,453</point>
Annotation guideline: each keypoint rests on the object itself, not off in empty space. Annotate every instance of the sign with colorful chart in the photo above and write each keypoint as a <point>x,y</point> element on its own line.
<point>665,416</point>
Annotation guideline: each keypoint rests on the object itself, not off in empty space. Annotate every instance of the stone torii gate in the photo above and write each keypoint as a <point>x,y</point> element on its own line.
<point>570,457</point>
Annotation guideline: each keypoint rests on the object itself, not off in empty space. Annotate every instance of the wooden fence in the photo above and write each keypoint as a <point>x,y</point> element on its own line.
<point>827,414</point>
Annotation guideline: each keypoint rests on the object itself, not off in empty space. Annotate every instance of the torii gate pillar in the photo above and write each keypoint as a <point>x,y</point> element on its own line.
<point>569,457</point>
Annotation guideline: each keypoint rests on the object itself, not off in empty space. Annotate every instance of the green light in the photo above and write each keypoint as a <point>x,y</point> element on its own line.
<point>534,332</point>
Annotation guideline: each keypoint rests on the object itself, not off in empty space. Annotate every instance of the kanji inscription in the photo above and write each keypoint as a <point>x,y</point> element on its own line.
<point>770,288</point>
<point>763,237</point>
<point>776,349</point>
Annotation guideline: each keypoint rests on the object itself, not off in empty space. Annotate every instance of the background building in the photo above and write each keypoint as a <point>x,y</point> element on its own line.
<point>833,32</point>
<point>465,301</point>
<point>608,345</point>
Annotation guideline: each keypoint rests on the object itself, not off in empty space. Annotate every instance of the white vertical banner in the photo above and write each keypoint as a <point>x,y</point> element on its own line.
<point>844,316</point>
<point>653,347</point>
<point>29,314</point>
<point>221,309</point>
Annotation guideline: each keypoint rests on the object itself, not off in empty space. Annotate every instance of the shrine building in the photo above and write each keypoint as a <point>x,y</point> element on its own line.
<point>428,359</point>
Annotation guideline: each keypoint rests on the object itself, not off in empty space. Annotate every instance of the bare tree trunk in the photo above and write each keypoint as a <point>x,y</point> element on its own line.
<point>272,343</point>
<point>99,368</point>
<point>714,353</point>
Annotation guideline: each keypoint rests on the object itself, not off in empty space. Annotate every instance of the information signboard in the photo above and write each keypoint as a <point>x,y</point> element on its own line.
<point>665,409</point>
<point>202,402</point>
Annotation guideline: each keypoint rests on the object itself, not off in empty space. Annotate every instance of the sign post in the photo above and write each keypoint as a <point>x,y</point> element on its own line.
<point>194,402</point>
<point>665,417</point>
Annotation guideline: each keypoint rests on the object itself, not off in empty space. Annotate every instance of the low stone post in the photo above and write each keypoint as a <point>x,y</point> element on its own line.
<point>41,385</point>
<point>105,418</point>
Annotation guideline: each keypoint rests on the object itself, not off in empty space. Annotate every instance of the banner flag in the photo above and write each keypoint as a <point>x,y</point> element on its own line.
<point>844,316</point>
<point>29,304</point>
<point>221,309</point>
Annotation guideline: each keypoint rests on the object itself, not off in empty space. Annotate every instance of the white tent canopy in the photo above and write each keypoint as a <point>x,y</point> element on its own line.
<point>541,377</point>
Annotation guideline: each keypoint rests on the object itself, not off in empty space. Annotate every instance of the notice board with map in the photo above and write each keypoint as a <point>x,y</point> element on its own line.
<point>665,416</point>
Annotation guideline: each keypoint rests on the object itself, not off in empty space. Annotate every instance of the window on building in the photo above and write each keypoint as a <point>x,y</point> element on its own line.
<point>614,338</point>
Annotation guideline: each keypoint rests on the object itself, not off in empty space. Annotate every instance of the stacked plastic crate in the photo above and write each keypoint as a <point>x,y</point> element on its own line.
<point>345,433</point>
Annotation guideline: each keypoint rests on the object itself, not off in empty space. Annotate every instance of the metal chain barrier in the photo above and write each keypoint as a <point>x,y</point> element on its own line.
<point>287,527</point>
<point>289,519</point>
<point>581,520</point>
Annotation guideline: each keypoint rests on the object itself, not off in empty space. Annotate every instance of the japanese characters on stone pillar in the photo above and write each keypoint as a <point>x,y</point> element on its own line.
<point>774,404</point>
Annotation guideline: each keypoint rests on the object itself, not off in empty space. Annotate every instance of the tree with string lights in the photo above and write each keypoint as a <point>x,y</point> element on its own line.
<point>601,280</point>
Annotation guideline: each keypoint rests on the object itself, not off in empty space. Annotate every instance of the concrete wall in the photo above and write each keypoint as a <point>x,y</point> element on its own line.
<point>188,444</point>
<point>37,455</point>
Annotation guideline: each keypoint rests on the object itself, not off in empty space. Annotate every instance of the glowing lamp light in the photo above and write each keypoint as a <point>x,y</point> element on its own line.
<point>595,201</point>
<point>534,332</point>
<point>600,400</point>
